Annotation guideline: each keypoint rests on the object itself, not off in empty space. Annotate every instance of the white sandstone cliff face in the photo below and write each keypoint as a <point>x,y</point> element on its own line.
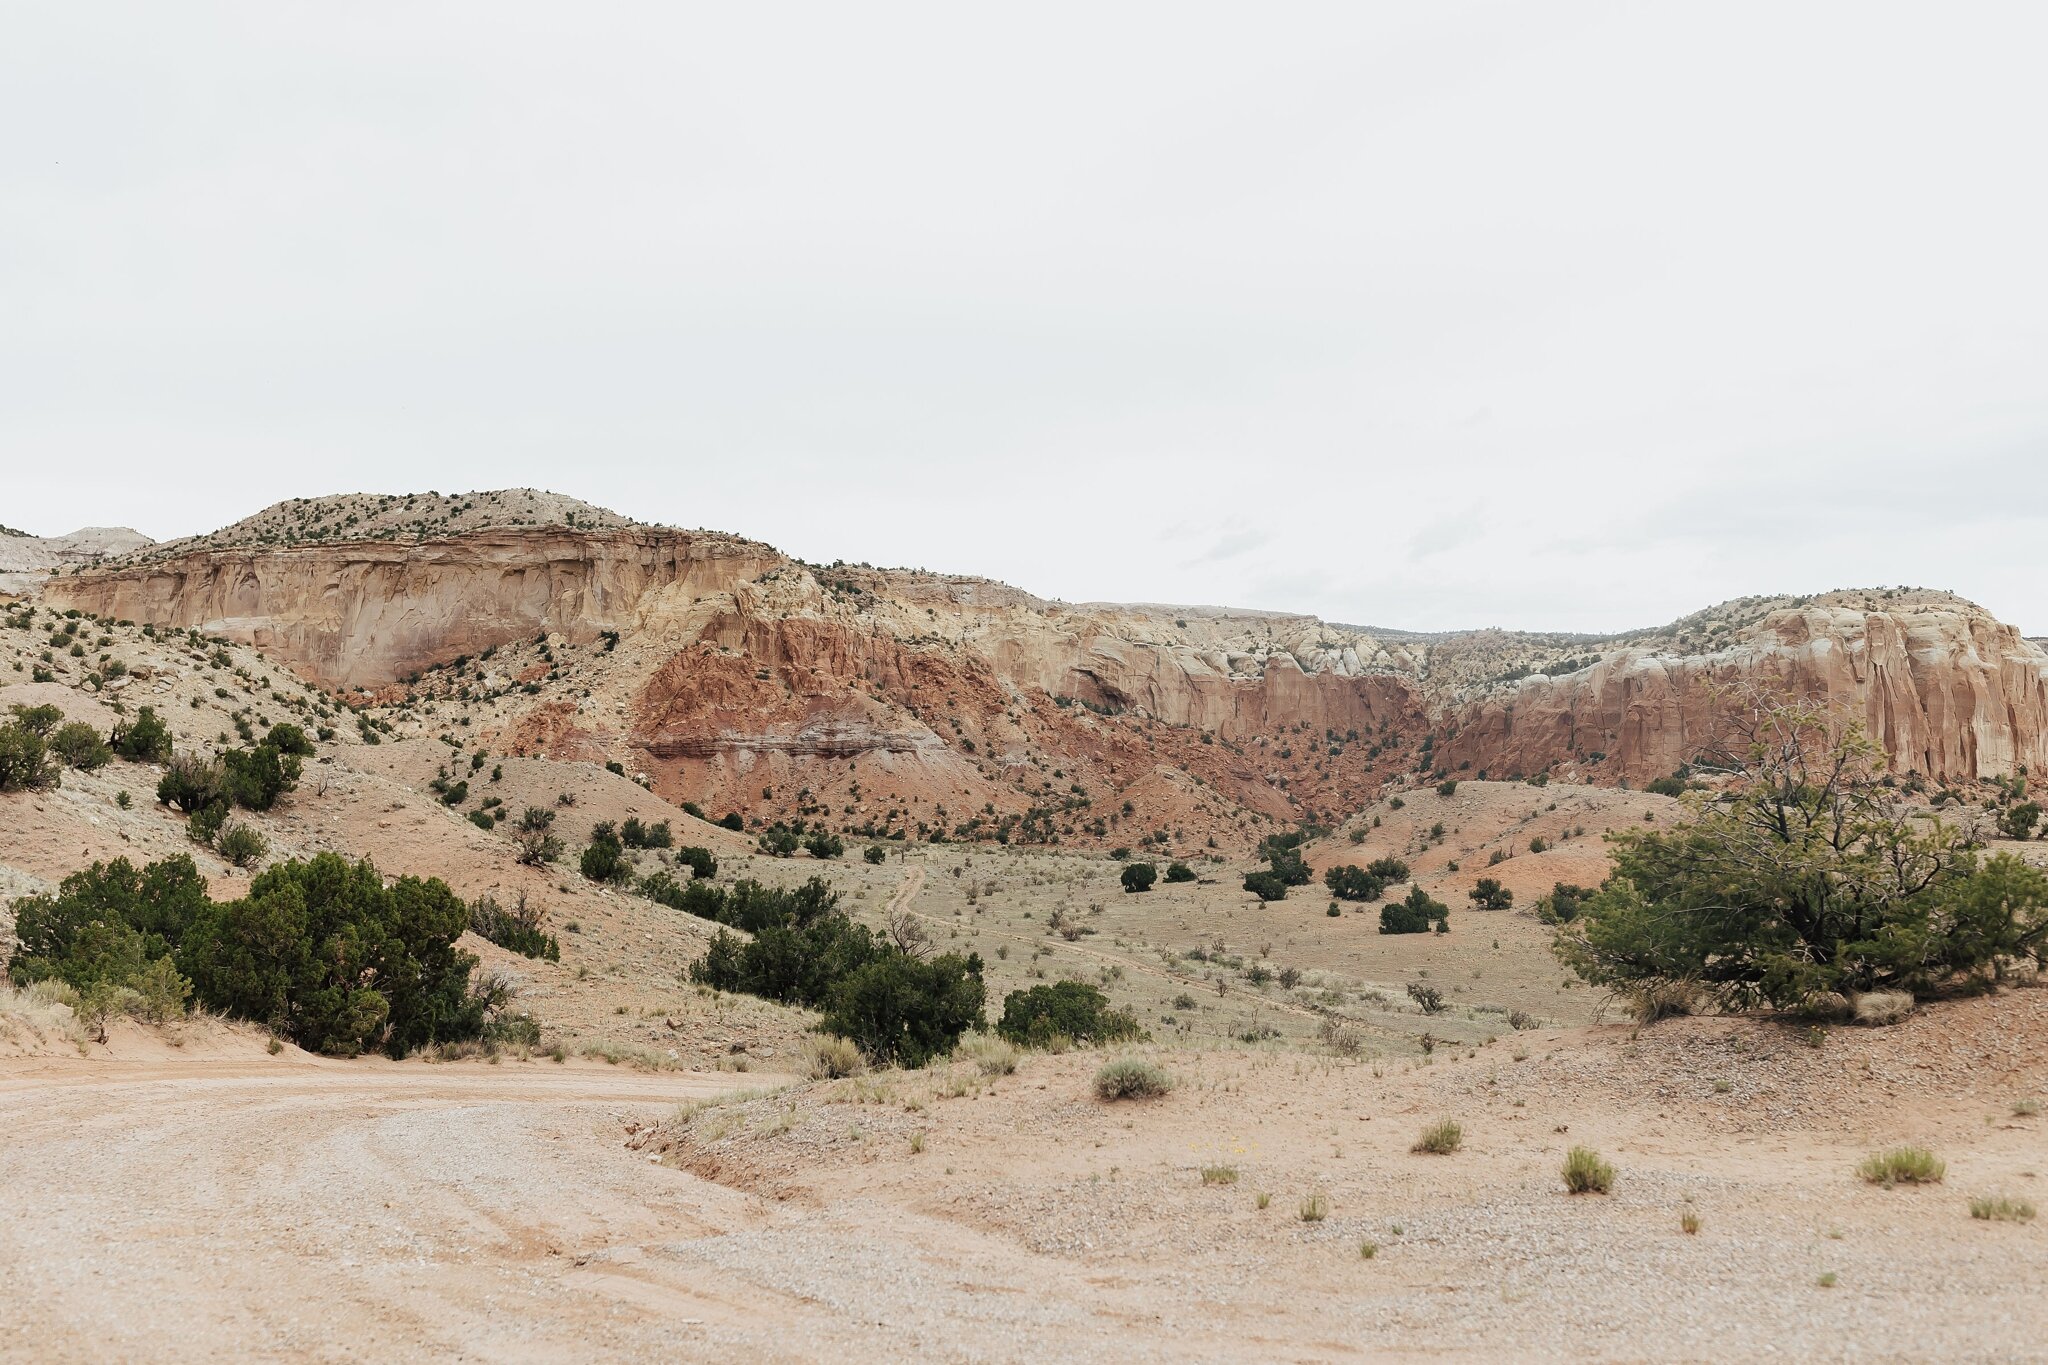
<point>1946,689</point>
<point>1949,691</point>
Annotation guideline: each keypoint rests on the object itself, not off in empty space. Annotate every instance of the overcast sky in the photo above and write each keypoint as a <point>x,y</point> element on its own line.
<point>1571,315</point>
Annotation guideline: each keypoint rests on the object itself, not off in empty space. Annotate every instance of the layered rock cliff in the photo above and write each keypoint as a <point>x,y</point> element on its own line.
<point>735,676</point>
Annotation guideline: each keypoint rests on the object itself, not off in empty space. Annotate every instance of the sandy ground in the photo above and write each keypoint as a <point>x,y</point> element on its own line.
<point>286,1208</point>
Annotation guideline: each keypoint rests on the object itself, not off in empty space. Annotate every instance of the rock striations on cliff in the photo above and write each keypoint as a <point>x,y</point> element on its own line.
<point>734,675</point>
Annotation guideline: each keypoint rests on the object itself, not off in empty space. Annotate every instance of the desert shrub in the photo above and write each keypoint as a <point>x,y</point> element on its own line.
<point>515,928</point>
<point>1265,886</point>
<point>512,1028</point>
<point>1350,883</point>
<point>255,778</point>
<point>2002,1208</point>
<point>1903,1166</point>
<point>734,821</point>
<point>1179,872</point>
<point>1286,861</point>
<point>240,844</point>
<point>1440,1139</point>
<point>482,820</point>
<point>874,855</point>
<point>1139,876</point>
<point>634,834</point>
<point>1562,905</point>
<point>454,793</point>
<point>321,951</point>
<point>1132,1078</point>
<point>1666,786</point>
<point>1219,1175</point>
<point>1447,788</point>
<point>190,783</point>
<point>1074,1010</point>
<point>535,837</point>
<point>205,825</point>
<point>1809,877</point>
<point>1416,914</point>
<point>823,1057</point>
<point>1315,1208</point>
<point>1392,871</point>
<point>604,860</point>
<point>823,845</point>
<point>778,842</point>
<point>145,739</point>
<point>1428,998</point>
<point>25,761</point>
<point>1662,1000</point>
<point>1883,1007</point>
<point>2017,822</point>
<point>80,746</point>
<point>40,721</point>
<point>290,739</point>
<point>907,1010</point>
<point>990,1054</point>
<point>698,860</point>
<point>1489,894</point>
<point>1586,1173</point>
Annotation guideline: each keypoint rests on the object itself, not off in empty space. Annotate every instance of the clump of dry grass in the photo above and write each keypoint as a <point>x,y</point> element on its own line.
<point>990,1054</point>
<point>47,1009</point>
<point>2001,1208</point>
<point>1219,1175</point>
<point>1586,1173</point>
<point>1903,1166</point>
<point>1132,1078</point>
<point>827,1057</point>
<point>1440,1139</point>
<point>1881,1008</point>
<point>1663,1000</point>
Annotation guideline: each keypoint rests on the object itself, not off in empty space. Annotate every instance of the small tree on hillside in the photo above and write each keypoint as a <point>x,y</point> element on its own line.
<point>1809,877</point>
<point>1139,876</point>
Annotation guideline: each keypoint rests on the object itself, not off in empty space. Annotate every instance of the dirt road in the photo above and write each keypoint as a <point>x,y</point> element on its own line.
<point>360,1211</point>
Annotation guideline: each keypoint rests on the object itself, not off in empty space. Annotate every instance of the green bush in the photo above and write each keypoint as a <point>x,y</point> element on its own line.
<point>321,951</point>
<point>240,844</point>
<point>255,778</point>
<point>2017,822</point>
<point>1563,903</point>
<point>823,845</point>
<point>1265,886</point>
<point>38,720</point>
<point>515,928</point>
<point>605,859</point>
<point>25,762</point>
<point>290,739</point>
<point>190,783</point>
<point>1806,880</point>
<point>1073,1010</point>
<point>907,1010</point>
<point>1440,1139</point>
<point>734,821</point>
<point>1418,914</point>
<point>146,739</point>
<point>778,842</point>
<point>1449,788</point>
<point>874,855</point>
<point>637,835</point>
<point>80,746</point>
<point>698,860</point>
<point>1179,872</point>
<point>1349,883</point>
<point>1489,894</point>
<point>536,839</point>
<point>1139,876</point>
<point>1392,871</point>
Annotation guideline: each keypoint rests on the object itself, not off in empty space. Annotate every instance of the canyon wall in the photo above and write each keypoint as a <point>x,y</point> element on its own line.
<point>1949,692</point>
<point>731,649</point>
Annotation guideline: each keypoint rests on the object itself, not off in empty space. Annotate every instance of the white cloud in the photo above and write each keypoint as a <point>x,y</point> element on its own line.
<point>1473,313</point>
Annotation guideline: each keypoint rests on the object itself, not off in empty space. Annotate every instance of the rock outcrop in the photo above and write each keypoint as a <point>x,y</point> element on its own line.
<point>1949,692</point>
<point>728,672</point>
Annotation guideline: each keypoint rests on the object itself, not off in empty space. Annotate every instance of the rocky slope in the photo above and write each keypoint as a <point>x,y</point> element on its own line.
<point>736,677</point>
